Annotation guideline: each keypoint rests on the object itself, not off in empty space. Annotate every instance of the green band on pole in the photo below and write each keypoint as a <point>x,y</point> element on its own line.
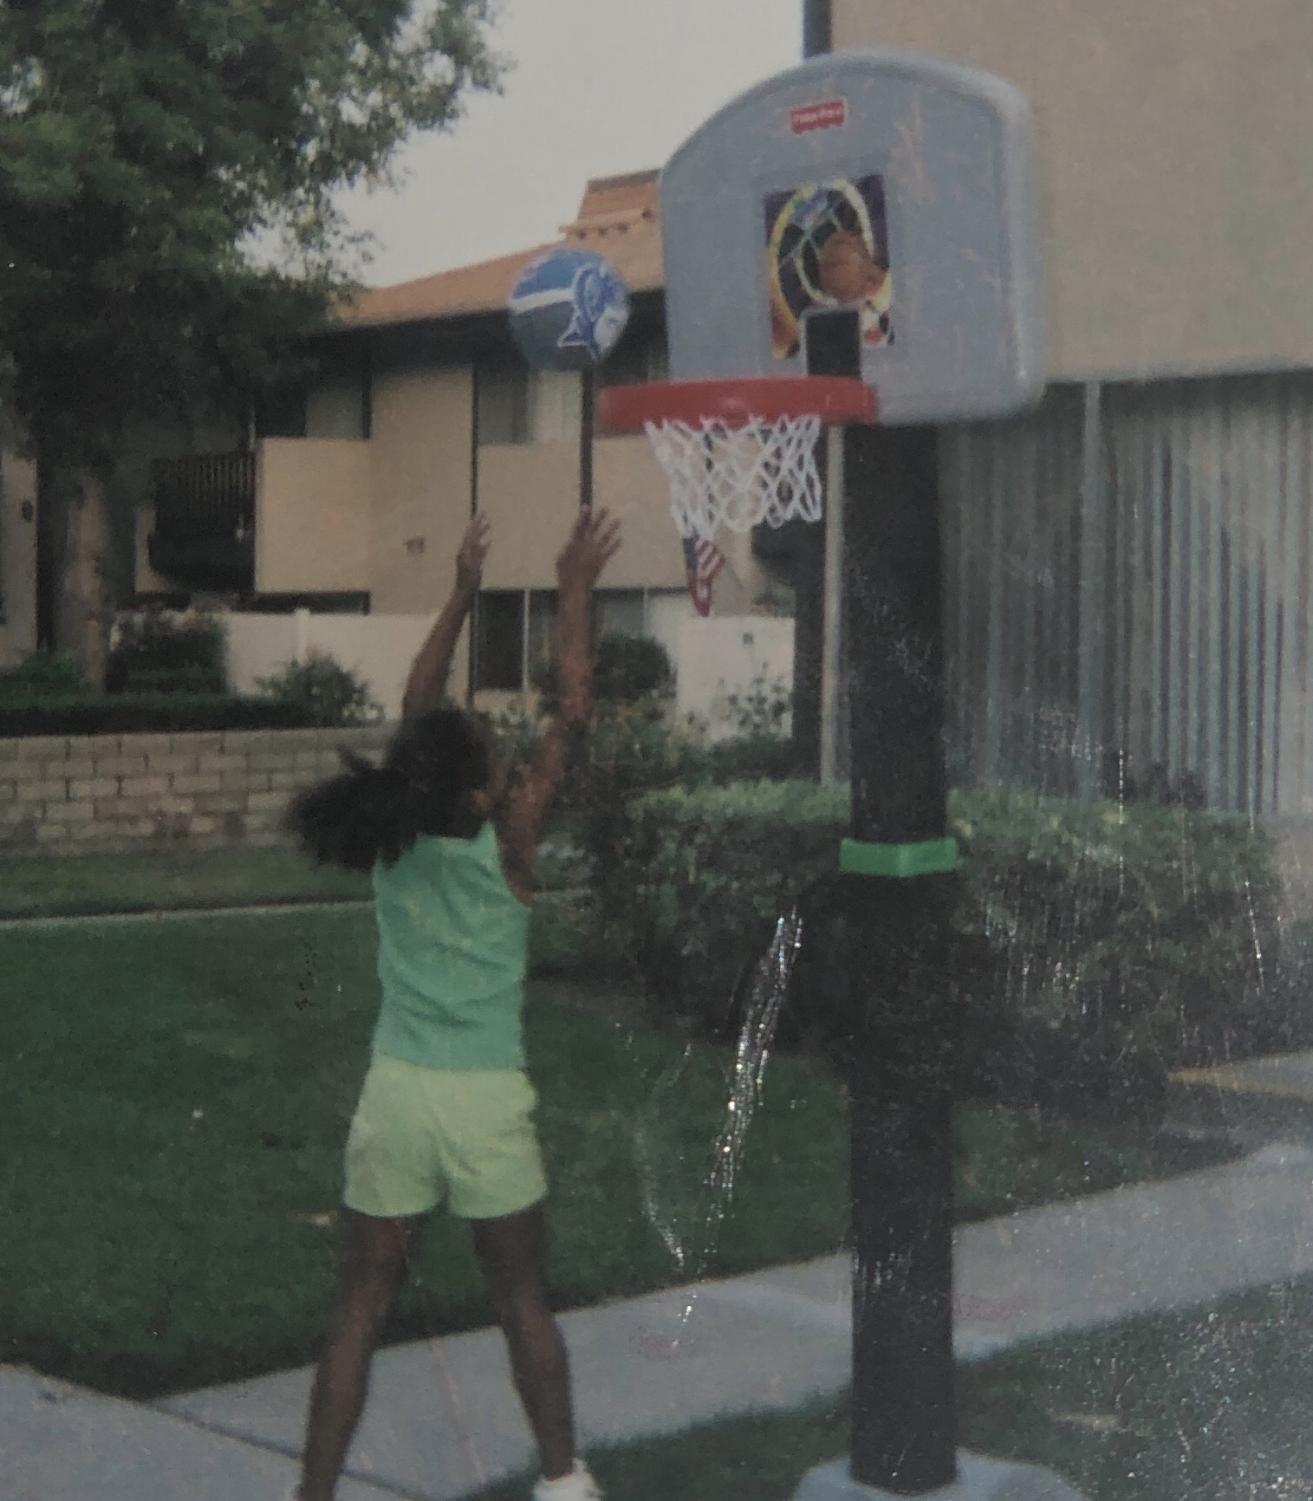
<point>931,857</point>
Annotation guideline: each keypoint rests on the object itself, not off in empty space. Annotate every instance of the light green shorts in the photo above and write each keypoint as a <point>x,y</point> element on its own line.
<point>424,1135</point>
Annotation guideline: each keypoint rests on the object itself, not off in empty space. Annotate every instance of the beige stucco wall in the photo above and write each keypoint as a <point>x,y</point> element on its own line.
<point>530,493</point>
<point>628,480</point>
<point>17,558</point>
<point>421,485</point>
<point>1172,138</point>
<point>312,514</point>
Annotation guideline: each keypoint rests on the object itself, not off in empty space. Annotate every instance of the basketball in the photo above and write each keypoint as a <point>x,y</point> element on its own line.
<point>568,309</point>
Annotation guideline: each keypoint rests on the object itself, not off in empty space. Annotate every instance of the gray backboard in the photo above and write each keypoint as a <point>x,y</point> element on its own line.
<point>887,182</point>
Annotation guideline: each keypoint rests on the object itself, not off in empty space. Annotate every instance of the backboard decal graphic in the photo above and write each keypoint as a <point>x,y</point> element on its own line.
<point>827,246</point>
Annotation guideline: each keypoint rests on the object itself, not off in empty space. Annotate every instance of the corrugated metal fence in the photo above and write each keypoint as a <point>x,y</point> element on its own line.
<point>1127,591</point>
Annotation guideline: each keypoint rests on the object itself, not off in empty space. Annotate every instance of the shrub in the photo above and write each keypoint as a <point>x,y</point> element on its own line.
<point>760,746</point>
<point>753,758</point>
<point>44,675</point>
<point>155,652</point>
<point>1089,944</point>
<point>628,669</point>
<point>631,748</point>
<point>1140,935</point>
<point>634,747</point>
<point>693,878</point>
<point>326,692</point>
<point>514,731</point>
<point>762,709</point>
<point>143,713</point>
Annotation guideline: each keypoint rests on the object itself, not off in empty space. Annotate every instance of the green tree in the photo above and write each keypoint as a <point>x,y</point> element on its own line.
<point>168,230</point>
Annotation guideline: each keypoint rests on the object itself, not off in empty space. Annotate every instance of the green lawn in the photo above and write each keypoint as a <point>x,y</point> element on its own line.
<point>1210,1405</point>
<point>169,880</point>
<point>177,1094</point>
<point>172,880</point>
<point>176,1098</point>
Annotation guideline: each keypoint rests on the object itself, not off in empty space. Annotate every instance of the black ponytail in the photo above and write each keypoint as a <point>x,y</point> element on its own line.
<point>369,813</point>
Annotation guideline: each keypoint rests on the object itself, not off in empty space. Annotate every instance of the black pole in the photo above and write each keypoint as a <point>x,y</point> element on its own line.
<point>472,656</point>
<point>904,1416</point>
<point>816,27</point>
<point>809,638</point>
<point>809,554</point>
<point>588,386</point>
<point>47,571</point>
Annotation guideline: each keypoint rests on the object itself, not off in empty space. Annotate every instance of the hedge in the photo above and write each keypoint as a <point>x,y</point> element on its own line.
<point>1097,942</point>
<point>145,713</point>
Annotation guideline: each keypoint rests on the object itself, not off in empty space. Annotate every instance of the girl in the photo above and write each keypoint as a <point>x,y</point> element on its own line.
<point>446,1110</point>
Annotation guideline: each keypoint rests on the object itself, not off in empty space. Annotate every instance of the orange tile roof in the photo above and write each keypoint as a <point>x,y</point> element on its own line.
<point>619,217</point>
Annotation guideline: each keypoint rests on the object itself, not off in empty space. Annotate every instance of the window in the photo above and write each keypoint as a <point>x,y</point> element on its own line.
<point>499,640</point>
<point>503,403</point>
<point>542,624</point>
<point>513,638</point>
<point>639,357</point>
<point>619,612</point>
<point>517,404</point>
<point>280,412</point>
<point>514,635</point>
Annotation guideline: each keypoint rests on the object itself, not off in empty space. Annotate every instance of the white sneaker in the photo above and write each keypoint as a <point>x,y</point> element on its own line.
<point>578,1486</point>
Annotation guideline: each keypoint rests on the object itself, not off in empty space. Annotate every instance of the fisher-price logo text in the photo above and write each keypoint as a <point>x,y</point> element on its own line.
<point>826,115</point>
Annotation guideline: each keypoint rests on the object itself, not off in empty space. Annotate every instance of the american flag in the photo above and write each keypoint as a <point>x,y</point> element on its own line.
<point>702,562</point>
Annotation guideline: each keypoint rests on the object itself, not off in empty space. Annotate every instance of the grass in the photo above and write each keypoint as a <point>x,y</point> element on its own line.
<point>176,1098</point>
<point>169,880</point>
<point>181,880</point>
<point>177,1094</point>
<point>1208,1405</point>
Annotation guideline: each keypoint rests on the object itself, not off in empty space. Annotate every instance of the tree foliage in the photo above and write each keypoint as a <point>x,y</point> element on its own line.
<point>167,180</point>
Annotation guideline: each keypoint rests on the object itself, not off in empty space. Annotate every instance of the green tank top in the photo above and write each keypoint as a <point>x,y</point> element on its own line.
<point>453,945</point>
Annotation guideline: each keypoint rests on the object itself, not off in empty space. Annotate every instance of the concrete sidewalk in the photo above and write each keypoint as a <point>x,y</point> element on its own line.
<point>443,1422</point>
<point>59,1443</point>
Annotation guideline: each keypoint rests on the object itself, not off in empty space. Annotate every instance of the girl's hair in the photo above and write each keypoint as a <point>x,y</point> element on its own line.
<point>369,813</point>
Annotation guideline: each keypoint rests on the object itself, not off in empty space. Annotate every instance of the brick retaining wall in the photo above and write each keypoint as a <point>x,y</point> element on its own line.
<point>68,794</point>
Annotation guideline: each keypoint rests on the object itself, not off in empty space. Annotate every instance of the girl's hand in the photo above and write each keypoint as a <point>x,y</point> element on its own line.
<point>473,550</point>
<point>593,541</point>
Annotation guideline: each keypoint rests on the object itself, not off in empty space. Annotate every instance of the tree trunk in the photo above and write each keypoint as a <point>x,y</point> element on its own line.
<point>80,531</point>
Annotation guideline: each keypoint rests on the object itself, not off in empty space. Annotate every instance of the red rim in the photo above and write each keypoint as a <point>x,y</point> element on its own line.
<point>834,399</point>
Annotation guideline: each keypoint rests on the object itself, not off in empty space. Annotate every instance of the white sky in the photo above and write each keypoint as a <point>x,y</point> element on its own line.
<point>598,87</point>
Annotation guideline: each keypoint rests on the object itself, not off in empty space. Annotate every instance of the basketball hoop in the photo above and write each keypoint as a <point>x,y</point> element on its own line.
<point>741,452</point>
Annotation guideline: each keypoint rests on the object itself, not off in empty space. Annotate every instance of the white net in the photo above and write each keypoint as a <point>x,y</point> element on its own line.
<point>737,476</point>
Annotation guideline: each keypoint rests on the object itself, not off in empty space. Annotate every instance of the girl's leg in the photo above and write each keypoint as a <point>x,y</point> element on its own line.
<point>510,1251</point>
<point>374,1260</point>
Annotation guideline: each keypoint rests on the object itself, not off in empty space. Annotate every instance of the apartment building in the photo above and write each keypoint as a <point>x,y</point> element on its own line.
<point>1128,569</point>
<point>356,490</point>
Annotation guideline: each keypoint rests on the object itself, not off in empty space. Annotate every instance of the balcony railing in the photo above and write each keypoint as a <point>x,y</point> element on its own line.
<point>205,520</point>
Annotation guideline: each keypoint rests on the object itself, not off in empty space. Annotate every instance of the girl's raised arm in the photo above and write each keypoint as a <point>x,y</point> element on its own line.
<point>592,543</point>
<point>427,684</point>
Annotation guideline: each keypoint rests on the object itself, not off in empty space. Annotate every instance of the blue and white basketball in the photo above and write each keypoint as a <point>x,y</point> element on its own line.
<point>568,309</point>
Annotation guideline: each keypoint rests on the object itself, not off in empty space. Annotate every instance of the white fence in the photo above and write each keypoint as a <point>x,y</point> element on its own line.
<point>718,658</point>
<point>377,648</point>
<point>713,659</point>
